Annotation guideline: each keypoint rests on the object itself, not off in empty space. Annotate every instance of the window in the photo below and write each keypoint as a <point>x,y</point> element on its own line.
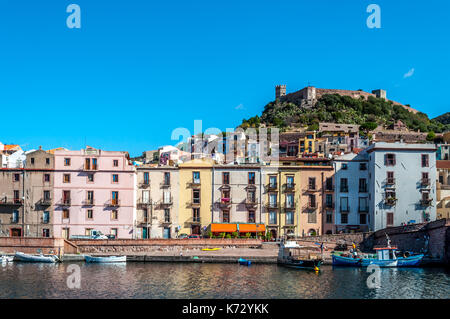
<point>312,201</point>
<point>344,218</point>
<point>87,163</point>
<point>272,218</point>
<point>251,196</point>
<point>312,217</point>
<point>115,178</point>
<point>146,178</point>
<point>115,198</point>
<point>115,163</point>
<point>289,200</point>
<point>329,184</point>
<point>311,183</point>
<point>167,215</point>
<point>226,178</point>
<point>425,160</point>
<point>67,162</point>
<point>425,179</point>
<point>15,216</point>
<point>114,232</point>
<point>196,215</point>
<point>290,181</point>
<point>329,200</point>
<point>196,177</point>
<point>251,216</point>
<point>66,178</point>
<point>390,178</point>
<point>362,166</point>
<point>90,178</point>
<point>329,218</point>
<point>46,217</point>
<point>47,195</point>
<point>46,178</point>
<point>47,161</point>
<point>114,214</point>
<point>251,178</point>
<point>90,197</point>
<point>273,200</point>
<point>16,177</point>
<point>32,160</point>
<point>389,159</point>
<point>145,215</point>
<point>16,196</point>
<point>88,231</point>
<point>362,185</point>
<point>66,214</point>
<point>289,218</point>
<point>166,178</point>
<point>363,219</point>
<point>389,219</point>
<point>45,232</point>
<point>196,196</point>
<point>225,216</point>
<point>90,214</point>
<point>344,185</point>
<point>272,181</point>
<point>344,204</point>
<point>363,204</point>
<point>66,197</point>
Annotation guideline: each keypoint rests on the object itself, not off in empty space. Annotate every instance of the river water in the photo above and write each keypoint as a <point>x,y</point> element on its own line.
<point>197,280</point>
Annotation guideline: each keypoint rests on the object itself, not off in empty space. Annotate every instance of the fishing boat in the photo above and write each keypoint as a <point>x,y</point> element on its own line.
<point>210,249</point>
<point>293,255</point>
<point>19,256</point>
<point>244,262</point>
<point>410,261</point>
<point>105,259</point>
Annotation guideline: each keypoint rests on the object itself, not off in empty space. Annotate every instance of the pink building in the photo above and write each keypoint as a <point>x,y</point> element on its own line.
<point>93,190</point>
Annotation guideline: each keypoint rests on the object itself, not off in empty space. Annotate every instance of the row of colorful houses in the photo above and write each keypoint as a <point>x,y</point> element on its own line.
<point>63,193</point>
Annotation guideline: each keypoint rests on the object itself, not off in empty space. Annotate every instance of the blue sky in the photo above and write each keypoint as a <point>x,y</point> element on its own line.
<point>138,69</point>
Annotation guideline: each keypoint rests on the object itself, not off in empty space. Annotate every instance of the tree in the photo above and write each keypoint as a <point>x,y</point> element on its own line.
<point>431,136</point>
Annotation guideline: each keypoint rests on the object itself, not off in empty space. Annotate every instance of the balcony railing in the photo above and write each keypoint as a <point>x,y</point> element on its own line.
<point>88,202</point>
<point>144,184</point>
<point>225,202</point>
<point>44,202</point>
<point>65,202</point>
<point>194,183</point>
<point>390,181</point>
<point>7,201</point>
<point>167,201</point>
<point>113,203</point>
<point>272,186</point>
<point>272,205</point>
<point>165,184</point>
<point>390,201</point>
<point>90,168</point>
<point>310,206</point>
<point>251,202</point>
<point>426,201</point>
<point>425,182</point>
<point>289,187</point>
<point>192,204</point>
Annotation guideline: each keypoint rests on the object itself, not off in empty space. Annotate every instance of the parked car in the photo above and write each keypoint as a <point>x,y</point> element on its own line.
<point>194,237</point>
<point>183,236</point>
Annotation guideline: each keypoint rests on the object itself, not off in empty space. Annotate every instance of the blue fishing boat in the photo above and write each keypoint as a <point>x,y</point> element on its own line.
<point>410,261</point>
<point>105,259</point>
<point>339,260</point>
<point>244,262</point>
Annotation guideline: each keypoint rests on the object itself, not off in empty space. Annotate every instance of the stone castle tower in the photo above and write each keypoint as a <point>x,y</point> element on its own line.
<point>280,90</point>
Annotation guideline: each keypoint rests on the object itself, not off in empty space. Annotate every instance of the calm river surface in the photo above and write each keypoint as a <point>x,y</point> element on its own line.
<point>166,280</point>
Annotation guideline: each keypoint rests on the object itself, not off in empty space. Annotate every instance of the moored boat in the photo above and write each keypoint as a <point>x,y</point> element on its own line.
<point>244,262</point>
<point>105,259</point>
<point>19,256</point>
<point>6,259</point>
<point>299,257</point>
<point>410,261</point>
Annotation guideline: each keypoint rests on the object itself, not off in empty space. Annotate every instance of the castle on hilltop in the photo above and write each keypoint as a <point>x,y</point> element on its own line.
<point>308,96</point>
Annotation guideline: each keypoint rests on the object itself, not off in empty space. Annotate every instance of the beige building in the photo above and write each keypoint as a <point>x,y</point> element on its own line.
<point>11,202</point>
<point>157,202</point>
<point>237,199</point>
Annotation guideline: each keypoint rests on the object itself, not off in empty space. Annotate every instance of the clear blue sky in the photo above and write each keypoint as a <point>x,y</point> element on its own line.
<point>138,69</point>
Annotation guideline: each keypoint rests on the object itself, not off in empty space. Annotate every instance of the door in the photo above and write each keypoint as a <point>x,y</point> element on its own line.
<point>65,233</point>
<point>145,233</point>
<point>166,233</point>
<point>195,230</point>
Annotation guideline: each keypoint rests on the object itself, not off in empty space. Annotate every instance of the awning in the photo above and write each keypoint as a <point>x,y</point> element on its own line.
<point>252,228</point>
<point>223,228</point>
<point>242,228</point>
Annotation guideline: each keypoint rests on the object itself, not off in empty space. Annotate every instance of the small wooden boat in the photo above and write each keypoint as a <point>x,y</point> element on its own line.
<point>211,249</point>
<point>105,259</point>
<point>244,262</point>
<point>19,256</point>
<point>299,257</point>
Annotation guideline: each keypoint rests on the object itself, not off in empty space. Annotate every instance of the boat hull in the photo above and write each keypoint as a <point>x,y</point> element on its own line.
<point>244,262</point>
<point>412,261</point>
<point>302,264</point>
<point>35,259</point>
<point>346,261</point>
<point>380,263</point>
<point>107,259</point>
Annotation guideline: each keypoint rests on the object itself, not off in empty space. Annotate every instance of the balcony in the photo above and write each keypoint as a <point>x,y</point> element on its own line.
<point>343,189</point>
<point>5,201</point>
<point>251,202</point>
<point>144,184</point>
<point>165,184</point>
<point>329,188</point>
<point>193,204</point>
<point>225,202</point>
<point>390,181</point>
<point>113,203</point>
<point>90,168</point>
<point>65,202</point>
<point>166,201</point>
<point>272,205</point>
<point>143,202</point>
<point>289,187</point>
<point>290,205</point>
<point>425,182</point>
<point>44,202</point>
<point>272,187</point>
<point>45,220</point>
<point>194,183</point>
<point>88,202</point>
<point>310,206</point>
<point>426,202</point>
<point>311,188</point>
<point>390,201</point>
<point>194,220</point>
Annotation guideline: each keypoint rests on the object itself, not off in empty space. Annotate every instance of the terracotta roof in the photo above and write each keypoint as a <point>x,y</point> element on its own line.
<point>357,150</point>
<point>11,147</point>
<point>443,164</point>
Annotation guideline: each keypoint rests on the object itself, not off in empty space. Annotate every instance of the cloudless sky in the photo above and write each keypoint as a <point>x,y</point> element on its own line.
<point>137,69</point>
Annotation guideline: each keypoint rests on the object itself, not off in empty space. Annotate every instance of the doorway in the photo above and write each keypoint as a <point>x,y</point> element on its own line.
<point>16,232</point>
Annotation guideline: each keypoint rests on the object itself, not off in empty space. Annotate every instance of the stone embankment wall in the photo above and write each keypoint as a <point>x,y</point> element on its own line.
<point>9,245</point>
<point>139,246</point>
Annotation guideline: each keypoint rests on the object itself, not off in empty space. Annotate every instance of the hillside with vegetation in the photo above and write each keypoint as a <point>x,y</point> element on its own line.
<point>369,113</point>
<point>444,118</point>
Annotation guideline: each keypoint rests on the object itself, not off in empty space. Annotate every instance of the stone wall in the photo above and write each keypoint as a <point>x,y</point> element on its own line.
<point>151,245</point>
<point>348,239</point>
<point>9,245</point>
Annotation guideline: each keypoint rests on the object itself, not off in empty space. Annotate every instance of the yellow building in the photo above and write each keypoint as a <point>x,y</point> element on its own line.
<point>195,210</point>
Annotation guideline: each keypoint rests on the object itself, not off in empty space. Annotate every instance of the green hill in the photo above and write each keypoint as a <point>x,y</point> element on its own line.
<point>444,118</point>
<point>343,109</point>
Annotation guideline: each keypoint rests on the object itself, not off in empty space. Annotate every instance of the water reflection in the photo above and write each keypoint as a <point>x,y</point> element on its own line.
<point>164,280</point>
